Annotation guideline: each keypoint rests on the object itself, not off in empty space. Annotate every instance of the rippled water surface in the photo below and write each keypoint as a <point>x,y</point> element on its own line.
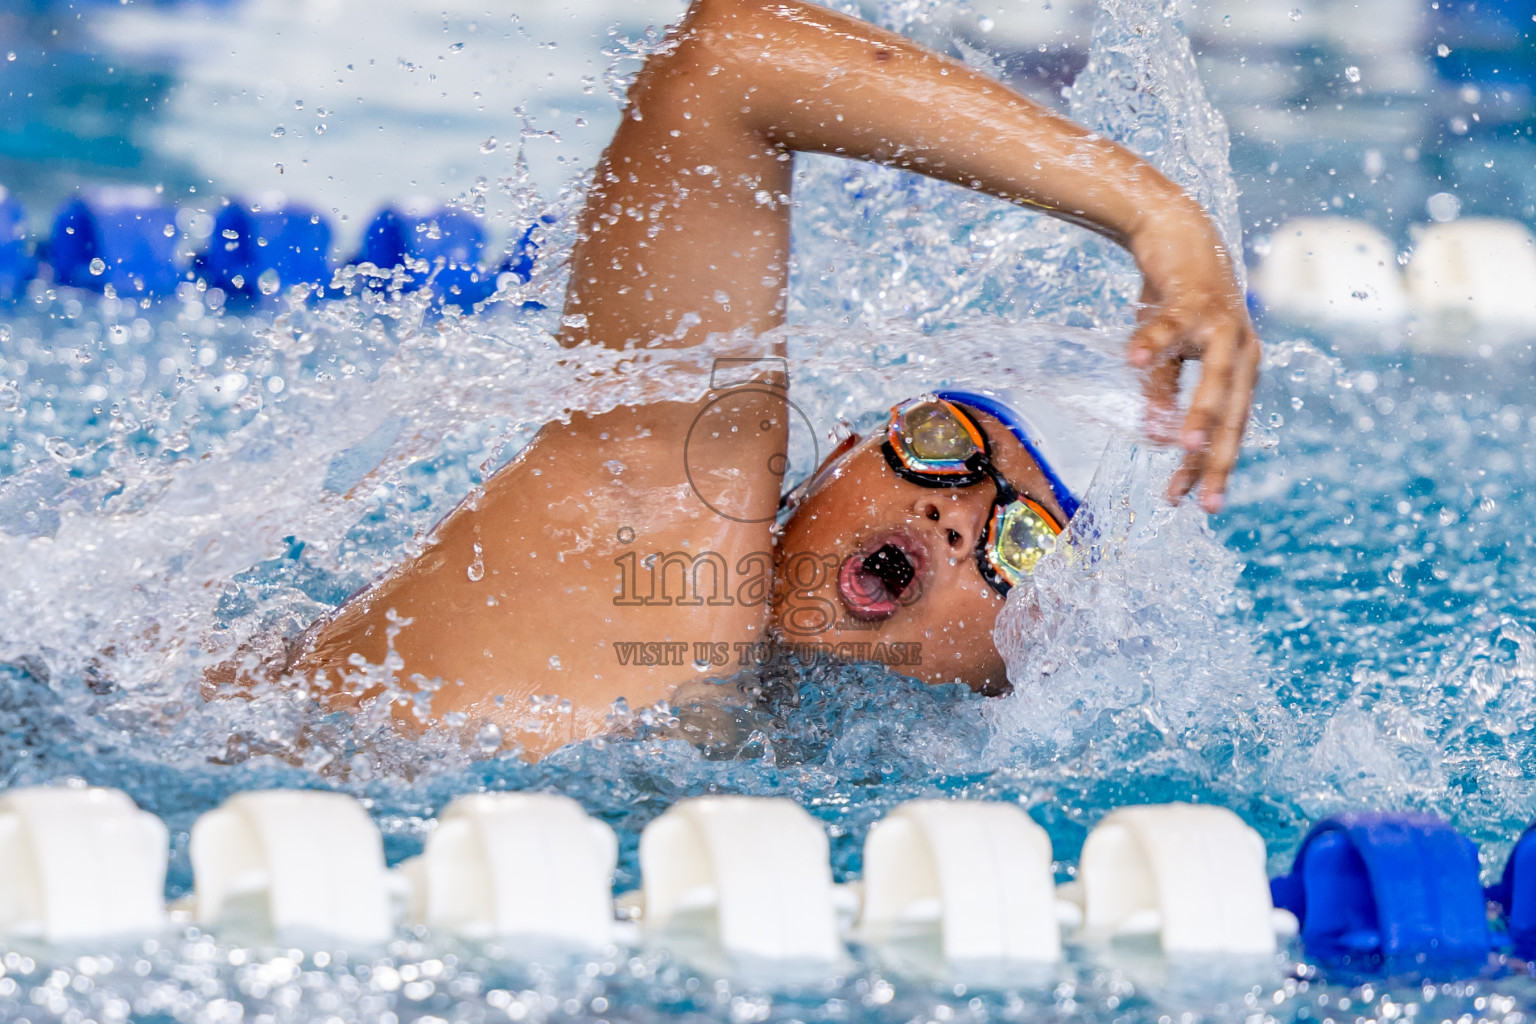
<point>180,482</point>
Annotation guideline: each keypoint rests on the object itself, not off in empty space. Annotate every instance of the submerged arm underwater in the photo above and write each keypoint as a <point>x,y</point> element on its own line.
<point>684,241</point>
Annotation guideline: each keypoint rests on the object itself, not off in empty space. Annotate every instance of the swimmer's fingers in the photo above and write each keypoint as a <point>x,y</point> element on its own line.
<point>1157,349</point>
<point>1226,445</point>
<point>1218,412</point>
<point>1162,332</point>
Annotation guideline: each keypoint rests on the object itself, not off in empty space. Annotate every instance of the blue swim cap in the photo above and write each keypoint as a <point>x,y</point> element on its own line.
<point>1056,468</point>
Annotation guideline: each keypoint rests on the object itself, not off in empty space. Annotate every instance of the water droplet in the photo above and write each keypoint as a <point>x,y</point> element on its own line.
<point>1295,14</point>
<point>279,132</point>
<point>1443,207</point>
<point>98,266</point>
<point>489,145</point>
<point>269,282</point>
<point>1442,50</point>
<point>10,55</point>
<point>554,662</point>
<point>298,104</point>
<point>60,449</point>
<point>1352,73</point>
<point>476,570</point>
<point>574,321</point>
<point>169,231</point>
<point>320,128</point>
<point>230,234</point>
<point>456,48</point>
<point>488,738</point>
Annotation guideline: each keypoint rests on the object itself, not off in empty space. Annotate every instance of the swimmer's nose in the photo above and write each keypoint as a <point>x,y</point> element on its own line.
<point>955,520</point>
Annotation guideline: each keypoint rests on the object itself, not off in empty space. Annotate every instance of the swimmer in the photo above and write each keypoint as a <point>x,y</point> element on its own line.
<point>544,581</point>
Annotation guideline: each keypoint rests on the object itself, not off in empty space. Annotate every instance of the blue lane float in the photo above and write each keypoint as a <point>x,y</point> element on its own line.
<point>1515,892</point>
<point>18,261</point>
<point>125,238</point>
<point>129,240</point>
<point>1387,886</point>
<point>521,257</point>
<point>256,250</point>
<point>448,241</point>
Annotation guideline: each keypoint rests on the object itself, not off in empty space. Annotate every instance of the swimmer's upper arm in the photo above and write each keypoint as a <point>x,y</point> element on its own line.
<point>686,229</point>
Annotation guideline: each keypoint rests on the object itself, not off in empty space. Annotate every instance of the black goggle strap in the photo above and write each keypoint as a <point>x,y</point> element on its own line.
<point>797,493</point>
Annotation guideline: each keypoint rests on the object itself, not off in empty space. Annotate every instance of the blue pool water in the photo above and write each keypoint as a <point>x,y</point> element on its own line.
<point>1356,631</point>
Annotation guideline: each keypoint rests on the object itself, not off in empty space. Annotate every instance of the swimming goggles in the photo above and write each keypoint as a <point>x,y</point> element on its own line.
<point>932,442</point>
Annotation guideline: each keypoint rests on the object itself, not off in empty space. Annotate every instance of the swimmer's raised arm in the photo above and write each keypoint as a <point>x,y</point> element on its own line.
<point>689,218</point>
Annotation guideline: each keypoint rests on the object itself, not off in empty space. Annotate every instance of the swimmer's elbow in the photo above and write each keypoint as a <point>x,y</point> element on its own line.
<point>720,29</point>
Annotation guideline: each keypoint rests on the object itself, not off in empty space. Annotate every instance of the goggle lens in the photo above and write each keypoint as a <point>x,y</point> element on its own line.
<point>935,444</point>
<point>929,437</point>
<point>1020,535</point>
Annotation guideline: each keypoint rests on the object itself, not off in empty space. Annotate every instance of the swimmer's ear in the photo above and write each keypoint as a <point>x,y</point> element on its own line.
<point>796,494</point>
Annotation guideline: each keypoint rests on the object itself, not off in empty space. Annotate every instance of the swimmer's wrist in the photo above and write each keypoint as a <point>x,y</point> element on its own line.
<point>1169,211</point>
<point>1176,231</point>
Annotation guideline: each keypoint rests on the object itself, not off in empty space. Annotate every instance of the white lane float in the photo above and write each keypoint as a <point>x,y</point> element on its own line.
<point>79,863</point>
<point>977,873</point>
<point>517,864</point>
<point>1332,270</point>
<point>749,873</point>
<point>292,861</point>
<point>750,877</point>
<point>1474,271</point>
<point>1191,875</point>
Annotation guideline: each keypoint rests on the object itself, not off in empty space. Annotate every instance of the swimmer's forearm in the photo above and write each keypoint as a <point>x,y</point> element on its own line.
<point>798,77</point>
<point>811,80</point>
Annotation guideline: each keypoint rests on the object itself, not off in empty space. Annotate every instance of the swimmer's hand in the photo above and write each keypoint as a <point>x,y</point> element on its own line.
<point>1193,308</point>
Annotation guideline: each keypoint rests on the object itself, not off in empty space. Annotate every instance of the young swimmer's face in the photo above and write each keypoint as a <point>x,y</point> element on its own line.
<point>861,506</point>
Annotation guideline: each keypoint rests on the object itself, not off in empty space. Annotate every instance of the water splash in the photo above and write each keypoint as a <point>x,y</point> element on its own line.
<point>189,485</point>
<point>1358,628</point>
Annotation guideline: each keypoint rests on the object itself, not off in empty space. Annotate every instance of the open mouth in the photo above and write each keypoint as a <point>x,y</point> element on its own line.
<point>873,580</point>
